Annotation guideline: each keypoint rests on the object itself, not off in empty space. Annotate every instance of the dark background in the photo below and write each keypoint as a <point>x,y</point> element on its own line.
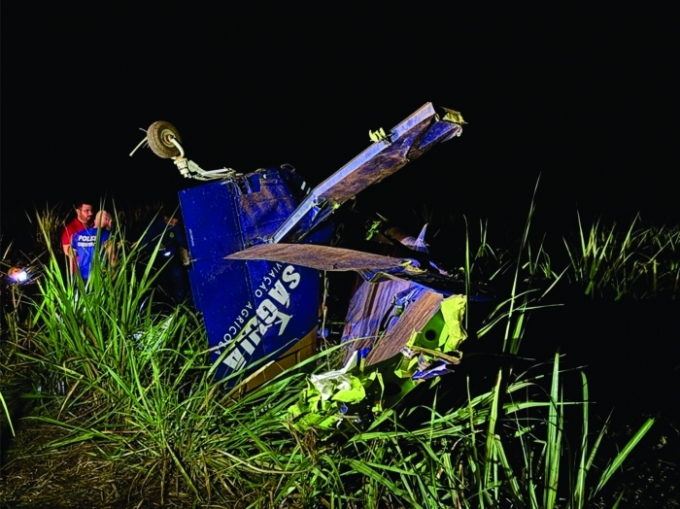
<point>585,97</point>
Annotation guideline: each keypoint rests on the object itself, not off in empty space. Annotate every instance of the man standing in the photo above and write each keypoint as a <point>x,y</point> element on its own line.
<point>166,239</point>
<point>84,243</point>
<point>82,220</point>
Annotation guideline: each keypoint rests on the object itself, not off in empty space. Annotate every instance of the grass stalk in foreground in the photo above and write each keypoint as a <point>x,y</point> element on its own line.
<point>643,262</point>
<point>7,415</point>
<point>138,384</point>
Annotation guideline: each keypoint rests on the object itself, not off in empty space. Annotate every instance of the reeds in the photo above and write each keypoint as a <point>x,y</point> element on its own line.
<point>640,262</point>
<point>115,370</point>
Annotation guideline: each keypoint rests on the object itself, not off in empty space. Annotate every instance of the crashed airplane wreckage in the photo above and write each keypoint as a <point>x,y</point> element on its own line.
<point>258,241</point>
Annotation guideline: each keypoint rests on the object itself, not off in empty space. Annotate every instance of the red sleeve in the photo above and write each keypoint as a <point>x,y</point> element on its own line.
<point>67,235</point>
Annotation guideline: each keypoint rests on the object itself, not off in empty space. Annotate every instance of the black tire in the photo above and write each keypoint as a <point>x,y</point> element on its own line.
<point>158,136</point>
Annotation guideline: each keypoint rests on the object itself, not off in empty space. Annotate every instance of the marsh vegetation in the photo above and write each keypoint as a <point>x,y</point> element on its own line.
<point>109,398</point>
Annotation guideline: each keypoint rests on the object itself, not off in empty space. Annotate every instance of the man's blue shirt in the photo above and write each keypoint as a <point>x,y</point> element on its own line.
<point>83,244</point>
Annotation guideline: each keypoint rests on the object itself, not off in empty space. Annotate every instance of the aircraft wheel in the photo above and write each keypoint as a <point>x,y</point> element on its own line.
<point>159,135</point>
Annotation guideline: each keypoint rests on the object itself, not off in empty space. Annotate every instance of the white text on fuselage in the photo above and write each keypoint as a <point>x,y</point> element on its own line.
<point>249,334</point>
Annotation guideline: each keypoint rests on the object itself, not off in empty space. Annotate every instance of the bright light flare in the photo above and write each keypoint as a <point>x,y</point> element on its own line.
<point>17,275</point>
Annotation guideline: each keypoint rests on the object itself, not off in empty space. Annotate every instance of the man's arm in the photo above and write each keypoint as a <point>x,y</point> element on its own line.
<point>66,243</point>
<point>110,248</point>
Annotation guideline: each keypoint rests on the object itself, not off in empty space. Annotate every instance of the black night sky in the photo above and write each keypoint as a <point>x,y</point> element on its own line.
<point>585,97</point>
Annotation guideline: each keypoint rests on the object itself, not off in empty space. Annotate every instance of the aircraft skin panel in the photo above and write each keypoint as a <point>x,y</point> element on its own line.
<point>371,267</point>
<point>415,318</point>
<point>376,163</point>
<point>439,132</point>
<point>251,309</point>
<point>319,257</point>
<point>203,208</point>
<point>373,309</point>
<point>405,142</point>
<point>268,199</point>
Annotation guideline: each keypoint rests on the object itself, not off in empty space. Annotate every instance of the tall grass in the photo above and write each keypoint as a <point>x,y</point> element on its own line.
<point>116,370</point>
<point>7,414</point>
<point>641,261</point>
<point>532,279</point>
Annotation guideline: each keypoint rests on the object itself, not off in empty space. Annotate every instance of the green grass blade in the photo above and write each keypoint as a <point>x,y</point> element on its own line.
<point>621,456</point>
